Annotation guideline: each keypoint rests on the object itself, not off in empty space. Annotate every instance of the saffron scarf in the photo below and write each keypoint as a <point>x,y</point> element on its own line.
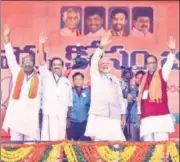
<point>33,85</point>
<point>155,91</point>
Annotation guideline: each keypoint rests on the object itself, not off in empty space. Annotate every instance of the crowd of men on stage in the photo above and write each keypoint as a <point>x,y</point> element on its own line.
<point>107,110</point>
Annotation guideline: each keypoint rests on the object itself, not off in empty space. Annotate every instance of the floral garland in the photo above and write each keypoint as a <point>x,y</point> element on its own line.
<point>91,152</point>
<point>12,156</point>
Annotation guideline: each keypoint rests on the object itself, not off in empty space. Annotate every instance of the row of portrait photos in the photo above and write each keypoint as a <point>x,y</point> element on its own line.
<point>95,21</point>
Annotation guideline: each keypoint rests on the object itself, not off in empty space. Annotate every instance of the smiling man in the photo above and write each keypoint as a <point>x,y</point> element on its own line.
<point>71,18</point>
<point>108,107</point>
<point>57,96</point>
<point>141,23</point>
<point>119,18</point>
<point>94,23</point>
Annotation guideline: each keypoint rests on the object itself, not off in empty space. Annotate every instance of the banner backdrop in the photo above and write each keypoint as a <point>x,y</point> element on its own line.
<point>28,19</point>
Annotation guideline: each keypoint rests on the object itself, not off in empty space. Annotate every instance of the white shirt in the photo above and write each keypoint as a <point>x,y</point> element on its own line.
<point>100,32</point>
<point>137,33</point>
<point>57,97</point>
<point>106,94</point>
<point>23,114</point>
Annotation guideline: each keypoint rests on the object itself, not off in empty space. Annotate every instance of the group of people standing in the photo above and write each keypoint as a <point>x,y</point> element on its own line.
<point>97,112</point>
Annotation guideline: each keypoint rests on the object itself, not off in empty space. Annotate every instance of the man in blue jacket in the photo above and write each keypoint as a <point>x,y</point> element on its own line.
<point>80,109</point>
<point>132,117</point>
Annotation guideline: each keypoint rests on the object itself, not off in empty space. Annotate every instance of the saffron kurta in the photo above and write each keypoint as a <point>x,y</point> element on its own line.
<point>22,114</point>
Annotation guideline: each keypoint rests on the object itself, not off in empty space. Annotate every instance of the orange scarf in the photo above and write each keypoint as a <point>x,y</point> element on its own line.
<point>155,91</point>
<point>33,87</point>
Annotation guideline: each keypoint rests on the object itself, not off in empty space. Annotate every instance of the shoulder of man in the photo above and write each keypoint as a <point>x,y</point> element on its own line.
<point>66,81</point>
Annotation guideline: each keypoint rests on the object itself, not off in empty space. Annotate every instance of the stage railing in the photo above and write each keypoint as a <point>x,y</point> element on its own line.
<point>90,151</point>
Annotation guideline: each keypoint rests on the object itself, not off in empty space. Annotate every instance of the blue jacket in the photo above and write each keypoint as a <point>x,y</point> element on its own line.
<point>81,105</point>
<point>133,112</point>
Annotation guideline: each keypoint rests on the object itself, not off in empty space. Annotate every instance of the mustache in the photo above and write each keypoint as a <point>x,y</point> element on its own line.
<point>144,26</point>
<point>56,68</point>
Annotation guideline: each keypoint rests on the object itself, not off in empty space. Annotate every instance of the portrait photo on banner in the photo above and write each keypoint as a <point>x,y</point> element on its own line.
<point>71,21</point>
<point>142,22</point>
<point>94,21</point>
<point>119,21</point>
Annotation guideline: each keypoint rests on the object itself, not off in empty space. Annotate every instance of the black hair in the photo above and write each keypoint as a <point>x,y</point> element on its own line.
<point>139,72</point>
<point>119,10</point>
<point>78,74</point>
<point>94,11</point>
<point>142,11</point>
<point>152,57</point>
<point>54,59</point>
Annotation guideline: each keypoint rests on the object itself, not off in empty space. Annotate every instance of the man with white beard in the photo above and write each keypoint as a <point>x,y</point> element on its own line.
<point>108,107</point>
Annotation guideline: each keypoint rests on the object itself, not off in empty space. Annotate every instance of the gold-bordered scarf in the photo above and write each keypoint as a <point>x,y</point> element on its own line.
<point>155,91</point>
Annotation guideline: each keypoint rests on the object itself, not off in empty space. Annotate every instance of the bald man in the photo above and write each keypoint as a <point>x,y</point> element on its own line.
<point>108,107</point>
<point>22,116</point>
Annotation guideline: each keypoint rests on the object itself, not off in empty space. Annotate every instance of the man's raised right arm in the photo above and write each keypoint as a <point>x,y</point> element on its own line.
<point>105,40</point>
<point>11,58</point>
<point>43,66</point>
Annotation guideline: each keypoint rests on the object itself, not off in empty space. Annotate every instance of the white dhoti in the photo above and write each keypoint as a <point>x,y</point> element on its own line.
<point>156,124</point>
<point>53,128</point>
<point>104,128</point>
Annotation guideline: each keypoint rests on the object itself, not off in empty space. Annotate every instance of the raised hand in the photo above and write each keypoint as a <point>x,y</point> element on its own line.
<point>43,38</point>
<point>7,30</point>
<point>105,40</point>
<point>171,43</point>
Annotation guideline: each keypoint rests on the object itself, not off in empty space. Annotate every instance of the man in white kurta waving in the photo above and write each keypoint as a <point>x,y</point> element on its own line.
<point>108,107</point>
<point>22,116</point>
<point>57,96</point>
<point>156,121</point>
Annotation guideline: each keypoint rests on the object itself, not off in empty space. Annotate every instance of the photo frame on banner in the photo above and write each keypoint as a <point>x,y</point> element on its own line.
<point>71,21</point>
<point>119,21</point>
<point>142,22</point>
<point>94,21</point>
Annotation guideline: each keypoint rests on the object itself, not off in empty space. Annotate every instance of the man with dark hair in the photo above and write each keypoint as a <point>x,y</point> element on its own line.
<point>57,96</point>
<point>156,120</point>
<point>119,19</point>
<point>22,113</point>
<point>94,22</point>
<point>132,116</point>
<point>141,22</point>
<point>80,109</point>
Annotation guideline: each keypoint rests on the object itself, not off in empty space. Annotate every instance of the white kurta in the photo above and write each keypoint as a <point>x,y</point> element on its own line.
<point>57,98</point>
<point>106,100</point>
<point>22,115</point>
<point>68,32</point>
<point>100,32</point>
<point>163,123</point>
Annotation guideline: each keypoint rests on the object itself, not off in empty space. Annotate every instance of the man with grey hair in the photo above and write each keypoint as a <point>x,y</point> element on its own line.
<point>71,18</point>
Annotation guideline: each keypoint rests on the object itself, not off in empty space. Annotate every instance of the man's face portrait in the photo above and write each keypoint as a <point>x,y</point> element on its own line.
<point>142,24</point>
<point>72,19</point>
<point>94,23</point>
<point>119,21</point>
